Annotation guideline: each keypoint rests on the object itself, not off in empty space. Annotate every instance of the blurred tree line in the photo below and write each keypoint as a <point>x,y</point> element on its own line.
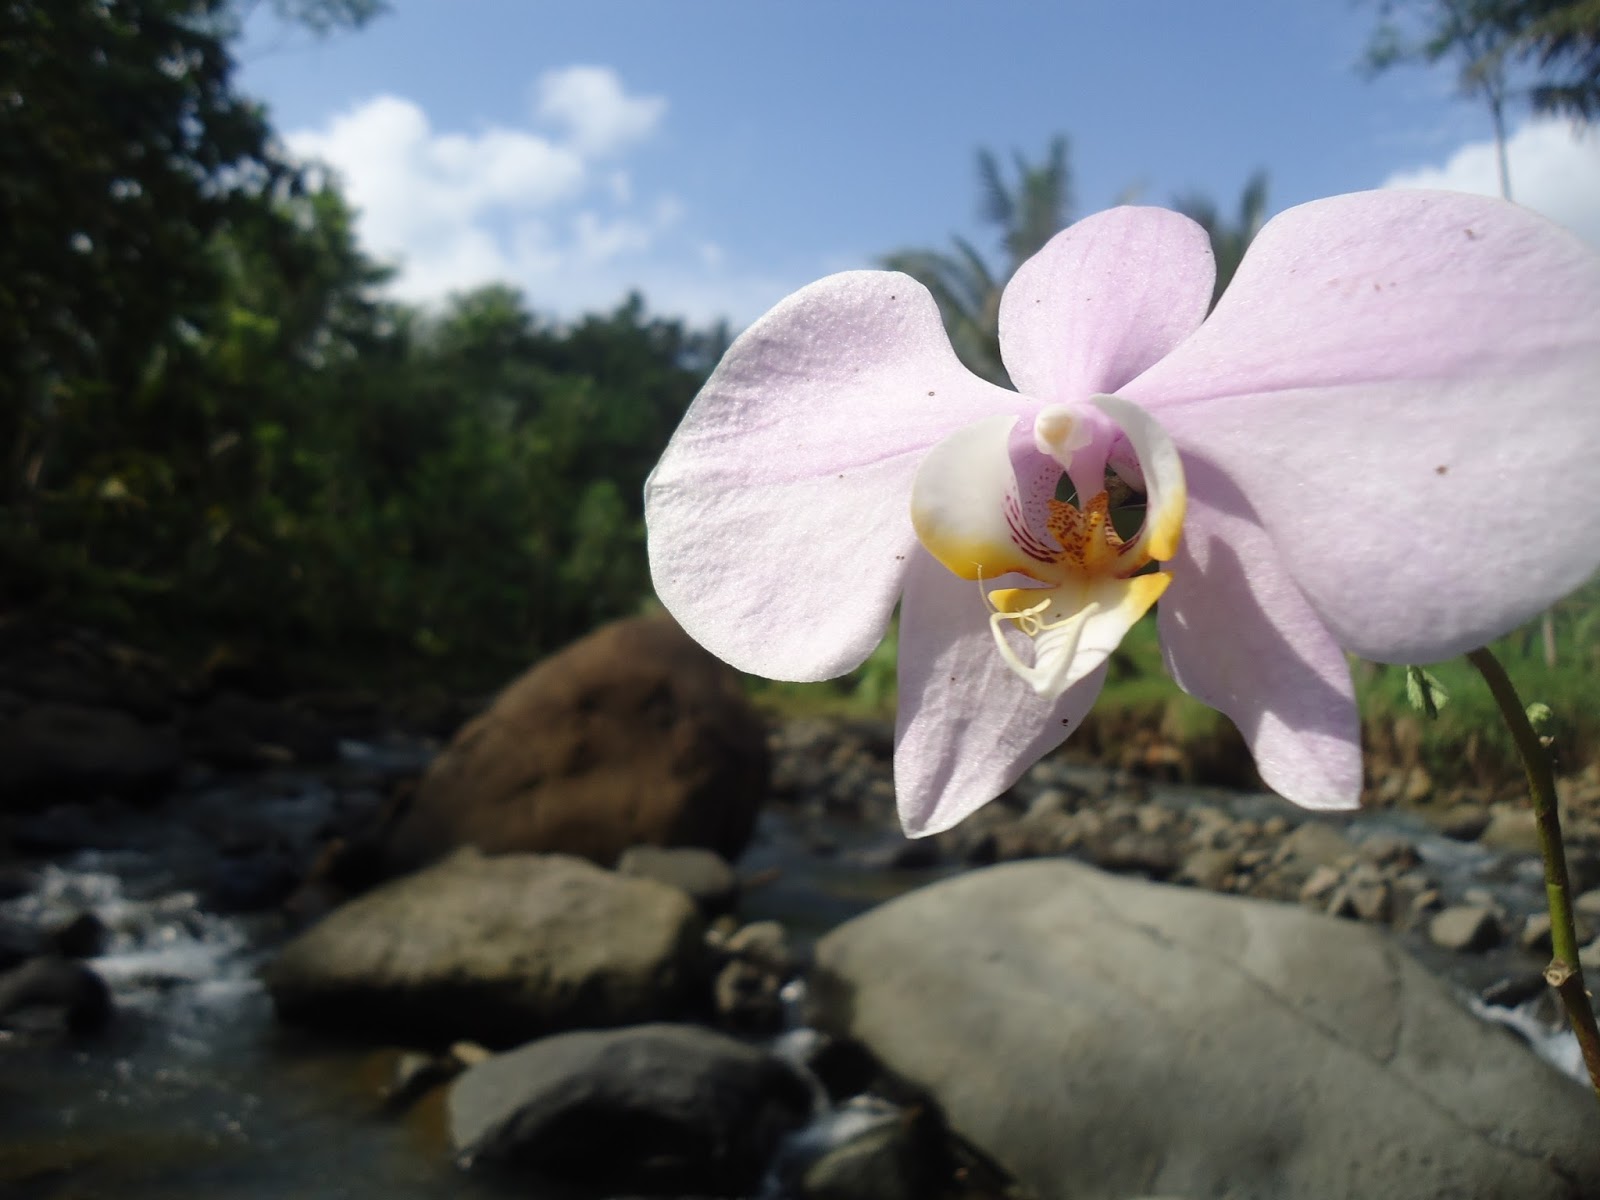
<point>212,431</point>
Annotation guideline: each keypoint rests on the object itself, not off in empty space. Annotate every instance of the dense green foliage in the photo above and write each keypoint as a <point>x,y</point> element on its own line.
<point>214,433</point>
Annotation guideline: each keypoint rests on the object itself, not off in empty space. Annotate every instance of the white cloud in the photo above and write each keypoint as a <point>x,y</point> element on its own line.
<point>553,213</point>
<point>598,115</point>
<point>1555,170</point>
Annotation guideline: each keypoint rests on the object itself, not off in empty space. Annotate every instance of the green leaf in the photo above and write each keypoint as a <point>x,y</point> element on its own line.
<point>1424,691</point>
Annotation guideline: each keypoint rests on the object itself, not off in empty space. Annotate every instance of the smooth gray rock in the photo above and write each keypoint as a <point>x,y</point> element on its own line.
<point>495,950</point>
<point>1101,1038</point>
<point>652,1107</point>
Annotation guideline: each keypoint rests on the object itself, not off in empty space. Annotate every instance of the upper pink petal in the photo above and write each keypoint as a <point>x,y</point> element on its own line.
<point>779,517</point>
<point>1104,300</point>
<point>967,727</point>
<point>1403,385</point>
<point>1239,635</point>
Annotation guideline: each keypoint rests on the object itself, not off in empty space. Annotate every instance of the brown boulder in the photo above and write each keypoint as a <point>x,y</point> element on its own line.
<point>631,735</point>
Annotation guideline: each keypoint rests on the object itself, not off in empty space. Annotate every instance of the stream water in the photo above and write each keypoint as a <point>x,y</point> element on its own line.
<point>195,1092</point>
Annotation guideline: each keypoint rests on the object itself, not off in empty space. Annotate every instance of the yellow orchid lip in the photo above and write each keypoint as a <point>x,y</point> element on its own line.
<point>969,511</point>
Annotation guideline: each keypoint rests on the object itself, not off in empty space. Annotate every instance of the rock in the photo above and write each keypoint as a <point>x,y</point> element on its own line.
<point>1208,868</point>
<point>50,753</point>
<point>1535,934</point>
<point>748,989</point>
<point>899,1158</point>
<point>495,950</point>
<point>1370,896</point>
<point>62,984</point>
<point>1514,990</point>
<point>1101,1038</point>
<point>1314,844</point>
<point>1511,829</point>
<point>631,735</point>
<point>1464,822</point>
<point>1319,885</point>
<point>1138,853</point>
<point>1589,956</point>
<point>1587,906</point>
<point>667,1108</point>
<point>1466,928</point>
<point>702,875</point>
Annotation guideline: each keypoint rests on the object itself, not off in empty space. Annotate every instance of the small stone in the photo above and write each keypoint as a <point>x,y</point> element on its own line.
<point>1371,897</point>
<point>1387,850</point>
<point>747,998</point>
<point>764,944</point>
<point>1465,928</point>
<point>1588,906</point>
<point>1275,826</point>
<point>1208,868</point>
<point>1319,884</point>
<point>1464,822</point>
<point>1511,829</point>
<point>469,1054</point>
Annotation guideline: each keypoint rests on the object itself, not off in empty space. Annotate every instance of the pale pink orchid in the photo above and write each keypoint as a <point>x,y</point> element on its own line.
<point>1382,442</point>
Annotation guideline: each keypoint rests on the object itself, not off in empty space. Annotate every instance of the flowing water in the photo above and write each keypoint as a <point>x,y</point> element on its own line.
<point>195,1092</point>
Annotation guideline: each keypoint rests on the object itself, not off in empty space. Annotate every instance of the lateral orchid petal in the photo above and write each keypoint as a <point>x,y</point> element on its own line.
<point>967,728</point>
<point>812,424</point>
<point>1403,384</point>
<point>1239,635</point>
<point>967,507</point>
<point>1104,300</point>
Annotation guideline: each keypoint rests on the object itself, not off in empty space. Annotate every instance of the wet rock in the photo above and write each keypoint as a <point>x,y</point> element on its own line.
<point>665,1108</point>
<point>1514,990</point>
<point>496,950</point>
<point>899,1158</point>
<point>52,753</point>
<point>59,984</point>
<point>702,875</point>
<point>631,735</point>
<point>1102,1037</point>
<point>1465,928</point>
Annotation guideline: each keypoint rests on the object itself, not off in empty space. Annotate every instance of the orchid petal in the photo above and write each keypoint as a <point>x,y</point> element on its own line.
<point>1103,301</point>
<point>778,530</point>
<point>1239,636</point>
<point>1160,472</point>
<point>966,507</point>
<point>1403,385</point>
<point>967,727</point>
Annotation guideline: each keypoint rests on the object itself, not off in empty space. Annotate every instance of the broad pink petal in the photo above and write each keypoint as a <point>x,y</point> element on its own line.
<point>1102,301</point>
<point>779,516</point>
<point>1238,635</point>
<point>967,727</point>
<point>1403,384</point>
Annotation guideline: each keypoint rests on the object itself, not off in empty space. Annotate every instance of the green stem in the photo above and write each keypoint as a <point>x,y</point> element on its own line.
<point>1565,972</point>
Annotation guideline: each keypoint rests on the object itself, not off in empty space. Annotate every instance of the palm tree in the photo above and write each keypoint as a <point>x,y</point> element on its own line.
<point>1028,213</point>
<point>1229,241</point>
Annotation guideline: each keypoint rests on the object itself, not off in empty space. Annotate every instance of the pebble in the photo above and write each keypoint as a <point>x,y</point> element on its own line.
<point>1466,928</point>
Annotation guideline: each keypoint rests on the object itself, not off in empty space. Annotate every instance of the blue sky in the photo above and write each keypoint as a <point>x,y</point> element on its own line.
<point>717,154</point>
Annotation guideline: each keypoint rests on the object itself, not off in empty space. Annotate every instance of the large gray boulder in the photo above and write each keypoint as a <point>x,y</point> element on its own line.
<point>657,1106</point>
<point>495,950</point>
<point>1102,1038</point>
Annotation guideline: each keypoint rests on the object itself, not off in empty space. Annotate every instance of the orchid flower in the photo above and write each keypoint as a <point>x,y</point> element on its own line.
<point>1381,442</point>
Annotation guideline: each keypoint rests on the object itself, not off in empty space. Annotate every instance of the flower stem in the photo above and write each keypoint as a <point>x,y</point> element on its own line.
<point>1565,972</point>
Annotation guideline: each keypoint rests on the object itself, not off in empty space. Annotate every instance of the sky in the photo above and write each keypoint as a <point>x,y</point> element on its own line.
<point>718,154</point>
